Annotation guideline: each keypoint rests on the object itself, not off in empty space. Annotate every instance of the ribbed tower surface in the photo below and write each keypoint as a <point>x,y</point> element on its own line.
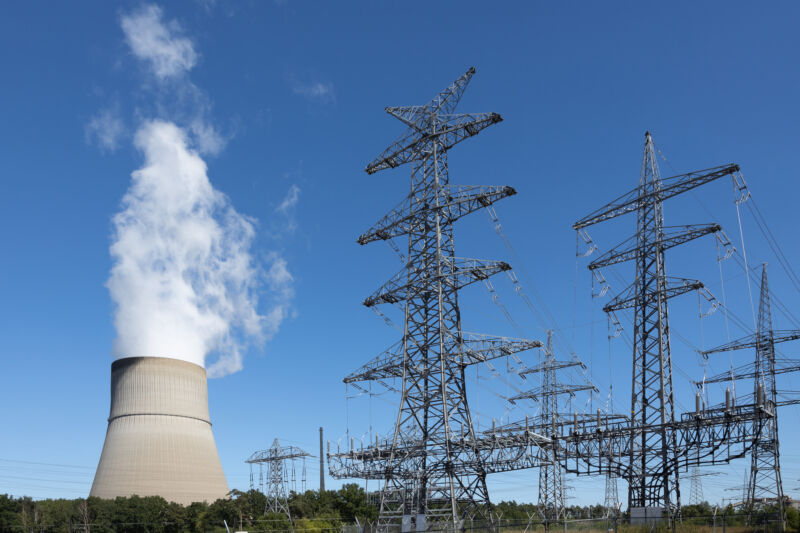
<point>159,440</point>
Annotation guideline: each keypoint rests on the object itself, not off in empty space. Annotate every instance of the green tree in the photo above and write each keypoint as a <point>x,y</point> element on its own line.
<point>9,513</point>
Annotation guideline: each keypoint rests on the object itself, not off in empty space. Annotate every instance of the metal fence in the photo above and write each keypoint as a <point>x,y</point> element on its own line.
<point>718,523</point>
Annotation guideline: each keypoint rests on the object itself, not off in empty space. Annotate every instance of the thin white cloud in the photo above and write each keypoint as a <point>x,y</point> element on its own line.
<point>287,209</point>
<point>290,200</point>
<point>317,91</point>
<point>105,129</point>
<point>161,45</point>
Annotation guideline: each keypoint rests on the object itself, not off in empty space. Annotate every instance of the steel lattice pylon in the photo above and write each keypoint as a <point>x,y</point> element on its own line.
<point>429,483</point>
<point>696,488</point>
<point>273,478</point>
<point>653,487</point>
<point>551,486</point>
<point>611,502</point>
<point>764,485</point>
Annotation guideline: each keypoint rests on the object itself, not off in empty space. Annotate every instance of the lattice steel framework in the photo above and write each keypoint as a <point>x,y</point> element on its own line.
<point>434,465</point>
<point>274,467</point>
<point>696,485</point>
<point>611,502</point>
<point>764,486</point>
<point>551,486</point>
<point>428,482</point>
<point>653,489</point>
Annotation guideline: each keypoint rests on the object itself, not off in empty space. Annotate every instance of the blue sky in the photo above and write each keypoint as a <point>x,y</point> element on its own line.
<point>293,94</point>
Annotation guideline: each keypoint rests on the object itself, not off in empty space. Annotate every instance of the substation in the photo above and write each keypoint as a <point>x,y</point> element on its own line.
<point>432,465</point>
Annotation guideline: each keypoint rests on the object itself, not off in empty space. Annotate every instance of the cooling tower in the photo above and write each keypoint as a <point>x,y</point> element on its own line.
<point>159,440</point>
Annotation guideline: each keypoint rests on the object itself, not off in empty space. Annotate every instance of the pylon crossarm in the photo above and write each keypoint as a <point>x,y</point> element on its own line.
<point>478,348</point>
<point>277,454</point>
<point>673,186</point>
<point>550,365</point>
<point>756,339</point>
<point>628,250</point>
<point>458,273</point>
<point>475,349</point>
<point>447,130</point>
<point>630,297</point>
<point>389,364</point>
<point>540,392</point>
<point>749,371</point>
<point>455,202</point>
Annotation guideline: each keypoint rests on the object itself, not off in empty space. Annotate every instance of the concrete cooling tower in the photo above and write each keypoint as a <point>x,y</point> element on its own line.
<point>159,440</point>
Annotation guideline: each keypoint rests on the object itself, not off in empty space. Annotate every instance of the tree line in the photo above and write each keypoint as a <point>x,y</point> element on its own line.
<point>311,511</point>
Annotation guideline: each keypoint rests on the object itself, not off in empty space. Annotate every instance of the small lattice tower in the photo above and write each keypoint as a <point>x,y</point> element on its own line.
<point>275,465</point>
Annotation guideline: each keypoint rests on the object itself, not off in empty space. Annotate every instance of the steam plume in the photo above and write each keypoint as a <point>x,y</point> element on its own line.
<point>183,281</point>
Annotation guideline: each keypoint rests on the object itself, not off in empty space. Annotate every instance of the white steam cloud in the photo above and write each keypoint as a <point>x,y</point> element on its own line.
<point>183,280</point>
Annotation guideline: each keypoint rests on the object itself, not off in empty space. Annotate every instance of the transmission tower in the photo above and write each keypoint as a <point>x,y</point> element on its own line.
<point>430,482</point>
<point>611,502</point>
<point>551,490</point>
<point>653,488</point>
<point>764,485</point>
<point>275,465</point>
<point>695,488</point>
<point>551,504</point>
<point>696,485</point>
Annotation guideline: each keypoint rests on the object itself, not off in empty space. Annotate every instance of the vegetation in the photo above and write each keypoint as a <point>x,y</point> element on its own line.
<point>313,512</point>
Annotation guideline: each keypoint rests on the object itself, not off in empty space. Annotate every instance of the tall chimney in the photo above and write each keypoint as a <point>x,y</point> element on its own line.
<point>159,440</point>
<point>321,464</point>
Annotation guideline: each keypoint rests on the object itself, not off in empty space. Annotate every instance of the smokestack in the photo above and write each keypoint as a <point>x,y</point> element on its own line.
<point>159,440</point>
<point>321,464</point>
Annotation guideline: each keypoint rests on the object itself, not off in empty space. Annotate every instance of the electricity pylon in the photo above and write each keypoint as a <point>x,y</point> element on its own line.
<point>433,471</point>
<point>653,487</point>
<point>551,505</point>
<point>551,487</point>
<point>696,485</point>
<point>273,477</point>
<point>695,488</point>
<point>764,485</point>
<point>611,502</point>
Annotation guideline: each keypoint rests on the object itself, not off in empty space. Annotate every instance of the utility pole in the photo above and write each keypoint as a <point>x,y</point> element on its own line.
<point>321,464</point>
